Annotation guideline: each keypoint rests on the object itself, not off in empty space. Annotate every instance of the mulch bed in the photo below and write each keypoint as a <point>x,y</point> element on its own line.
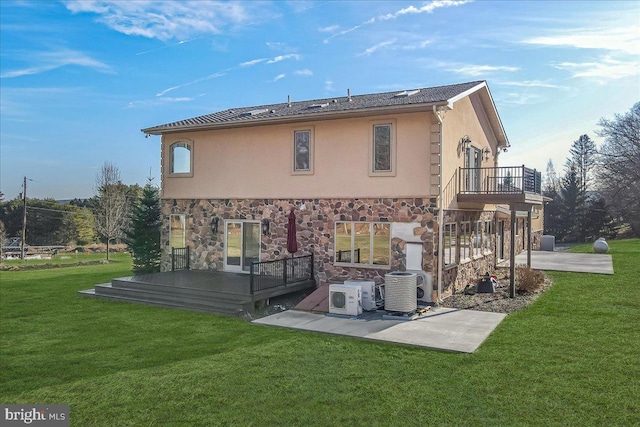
<point>499,301</point>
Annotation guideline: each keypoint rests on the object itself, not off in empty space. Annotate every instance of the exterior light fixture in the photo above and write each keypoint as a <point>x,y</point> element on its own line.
<point>214,225</point>
<point>486,152</point>
<point>265,227</point>
<point>464,142</point>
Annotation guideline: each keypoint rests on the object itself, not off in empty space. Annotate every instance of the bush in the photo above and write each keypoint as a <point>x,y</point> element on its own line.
<point>528,280</point>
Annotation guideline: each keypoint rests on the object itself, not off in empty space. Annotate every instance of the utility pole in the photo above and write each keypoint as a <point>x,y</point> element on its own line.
<point>24,217</point>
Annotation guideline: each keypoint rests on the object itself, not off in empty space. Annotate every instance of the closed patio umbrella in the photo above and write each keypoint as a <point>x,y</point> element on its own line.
<point>292,240</point>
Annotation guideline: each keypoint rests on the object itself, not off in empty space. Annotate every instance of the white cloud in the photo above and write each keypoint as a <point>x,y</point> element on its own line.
<point>623,38</point>
<point>304,72</point>
<point>474,70</point>
<point>531,83</point>
<point>164,20</point>
<point>284,57</point>
<point>519,98</point>
<point>329,29</point>
<point>253,62</point>
<point>602,71</point>
<point>202,79</point>
<point>279,77</point>
<point>328,86</point>
<point>427,8</point>
<point>47,61</point>
<point>157,101</point>
<point>373,48</point>
<point>341,33</point>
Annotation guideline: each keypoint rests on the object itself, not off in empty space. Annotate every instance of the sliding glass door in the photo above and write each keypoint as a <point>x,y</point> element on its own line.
<point>242,245</point>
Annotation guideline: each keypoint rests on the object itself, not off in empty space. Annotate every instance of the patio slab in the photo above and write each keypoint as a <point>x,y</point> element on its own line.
<point>565,261</point>
<point>445,329</point>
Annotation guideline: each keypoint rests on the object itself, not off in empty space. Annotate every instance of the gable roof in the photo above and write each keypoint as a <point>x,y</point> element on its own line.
<point>339,107</point>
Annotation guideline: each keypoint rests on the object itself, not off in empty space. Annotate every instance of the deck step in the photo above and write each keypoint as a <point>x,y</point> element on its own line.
<point>90,293</point>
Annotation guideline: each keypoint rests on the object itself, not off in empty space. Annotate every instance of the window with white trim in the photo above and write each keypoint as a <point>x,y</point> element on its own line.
<point>382,151</point>
<point>362,243</point>
<point>476,240</point>
<point>181,158</point>
<point>302,152</point>
<point>450,249</point>
<point>486,238</point>
<point>465,241</point>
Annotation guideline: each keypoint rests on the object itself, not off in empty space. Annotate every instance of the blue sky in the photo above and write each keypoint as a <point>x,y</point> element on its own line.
<point>78,80</point>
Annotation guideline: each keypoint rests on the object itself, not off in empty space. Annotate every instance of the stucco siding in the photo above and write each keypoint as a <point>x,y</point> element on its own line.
<point>256,162</point>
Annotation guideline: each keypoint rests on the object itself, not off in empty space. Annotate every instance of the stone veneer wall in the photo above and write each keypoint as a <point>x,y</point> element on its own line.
<point>315,227</point>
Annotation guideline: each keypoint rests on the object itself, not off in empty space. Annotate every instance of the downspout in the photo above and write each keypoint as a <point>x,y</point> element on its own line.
<point>441,207</point>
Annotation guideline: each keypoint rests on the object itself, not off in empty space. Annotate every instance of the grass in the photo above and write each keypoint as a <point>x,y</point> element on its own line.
<point>571,358</point>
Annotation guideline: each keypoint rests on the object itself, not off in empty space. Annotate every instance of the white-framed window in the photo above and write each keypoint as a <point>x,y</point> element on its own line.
<point>465,241</point>
<point>302,159</point>
<point>363,243</point>
<point>450,250</point>
<point>486,238</point>
<point>382,155</point>
<point>177,233</point>
<point>181,158</point>
<point>476,240</point>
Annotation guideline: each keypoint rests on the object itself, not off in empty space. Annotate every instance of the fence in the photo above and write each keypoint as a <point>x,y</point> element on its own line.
<point>179,258</point>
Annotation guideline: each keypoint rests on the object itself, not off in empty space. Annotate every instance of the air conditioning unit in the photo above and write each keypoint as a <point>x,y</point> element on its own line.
<point>345,300</point>
<point>368,292</point>
<point>424,286</point>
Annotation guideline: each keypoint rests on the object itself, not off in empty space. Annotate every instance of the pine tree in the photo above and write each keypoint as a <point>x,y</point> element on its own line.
<point>569,228</point>
<point>143,235</point>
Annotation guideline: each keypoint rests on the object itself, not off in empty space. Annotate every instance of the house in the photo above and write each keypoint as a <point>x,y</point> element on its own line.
<point>377,182</point>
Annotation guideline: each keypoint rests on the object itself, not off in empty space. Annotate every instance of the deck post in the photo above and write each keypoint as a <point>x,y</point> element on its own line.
<point>529,246</point>
<point>512,255</point>
<point>173,260</point>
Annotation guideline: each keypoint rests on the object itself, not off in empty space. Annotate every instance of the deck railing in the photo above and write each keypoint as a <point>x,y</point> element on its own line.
<point>500,180</point>
<point>179,258</point>
<point>271,274</point>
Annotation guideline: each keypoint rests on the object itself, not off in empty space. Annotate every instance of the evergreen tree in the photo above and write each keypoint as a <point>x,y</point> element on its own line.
<point>143,235</point>
<point>568,227</point>
<point>552,209</point>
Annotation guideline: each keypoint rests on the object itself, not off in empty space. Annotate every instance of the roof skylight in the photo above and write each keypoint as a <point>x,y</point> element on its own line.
<point>254,112</point>
<point>317,105</point>
<point>406,93</point>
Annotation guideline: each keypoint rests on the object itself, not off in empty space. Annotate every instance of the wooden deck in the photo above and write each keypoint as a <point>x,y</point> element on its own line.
<point>210,291</point>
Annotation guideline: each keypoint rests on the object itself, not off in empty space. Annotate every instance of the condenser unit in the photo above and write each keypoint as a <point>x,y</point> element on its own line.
<point>345,300</point>
<point>368,292</point>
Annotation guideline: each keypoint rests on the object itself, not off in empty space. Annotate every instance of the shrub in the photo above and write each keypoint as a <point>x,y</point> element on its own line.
<point>528,280</point>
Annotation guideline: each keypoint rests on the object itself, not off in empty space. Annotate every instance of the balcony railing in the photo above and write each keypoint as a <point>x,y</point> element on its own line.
<point>499,180</point>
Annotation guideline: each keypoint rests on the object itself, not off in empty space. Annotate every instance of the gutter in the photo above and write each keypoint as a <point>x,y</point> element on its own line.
<point>441,207</point>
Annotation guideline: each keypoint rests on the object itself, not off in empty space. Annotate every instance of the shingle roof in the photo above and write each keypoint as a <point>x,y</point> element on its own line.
<point>307,109</point>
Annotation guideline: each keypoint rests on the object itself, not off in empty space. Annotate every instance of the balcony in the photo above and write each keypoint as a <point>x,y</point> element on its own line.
<point>499,185</point>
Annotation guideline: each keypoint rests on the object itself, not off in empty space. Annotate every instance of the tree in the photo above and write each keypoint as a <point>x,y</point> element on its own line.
<point>583,158</point>
<point>143,235</point>
<point>618,175</point>
<point>110,204</point>
<point>568,227</point>
<point>552,209</point>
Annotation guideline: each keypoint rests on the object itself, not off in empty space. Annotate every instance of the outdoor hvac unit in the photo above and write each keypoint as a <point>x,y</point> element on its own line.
<point>368,292</point>
<point>400,292</point>
<point>424,286</point>
<point>345,300</point>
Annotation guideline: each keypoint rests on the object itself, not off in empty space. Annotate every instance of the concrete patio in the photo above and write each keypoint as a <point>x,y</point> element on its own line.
<point>445,329</point>
<point>566,261</point>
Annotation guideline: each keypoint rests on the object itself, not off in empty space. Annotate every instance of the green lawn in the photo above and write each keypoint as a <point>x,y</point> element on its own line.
<point>570,359</point>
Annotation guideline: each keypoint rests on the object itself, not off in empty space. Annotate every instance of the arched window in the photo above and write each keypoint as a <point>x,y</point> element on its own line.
<point>181,158</point>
